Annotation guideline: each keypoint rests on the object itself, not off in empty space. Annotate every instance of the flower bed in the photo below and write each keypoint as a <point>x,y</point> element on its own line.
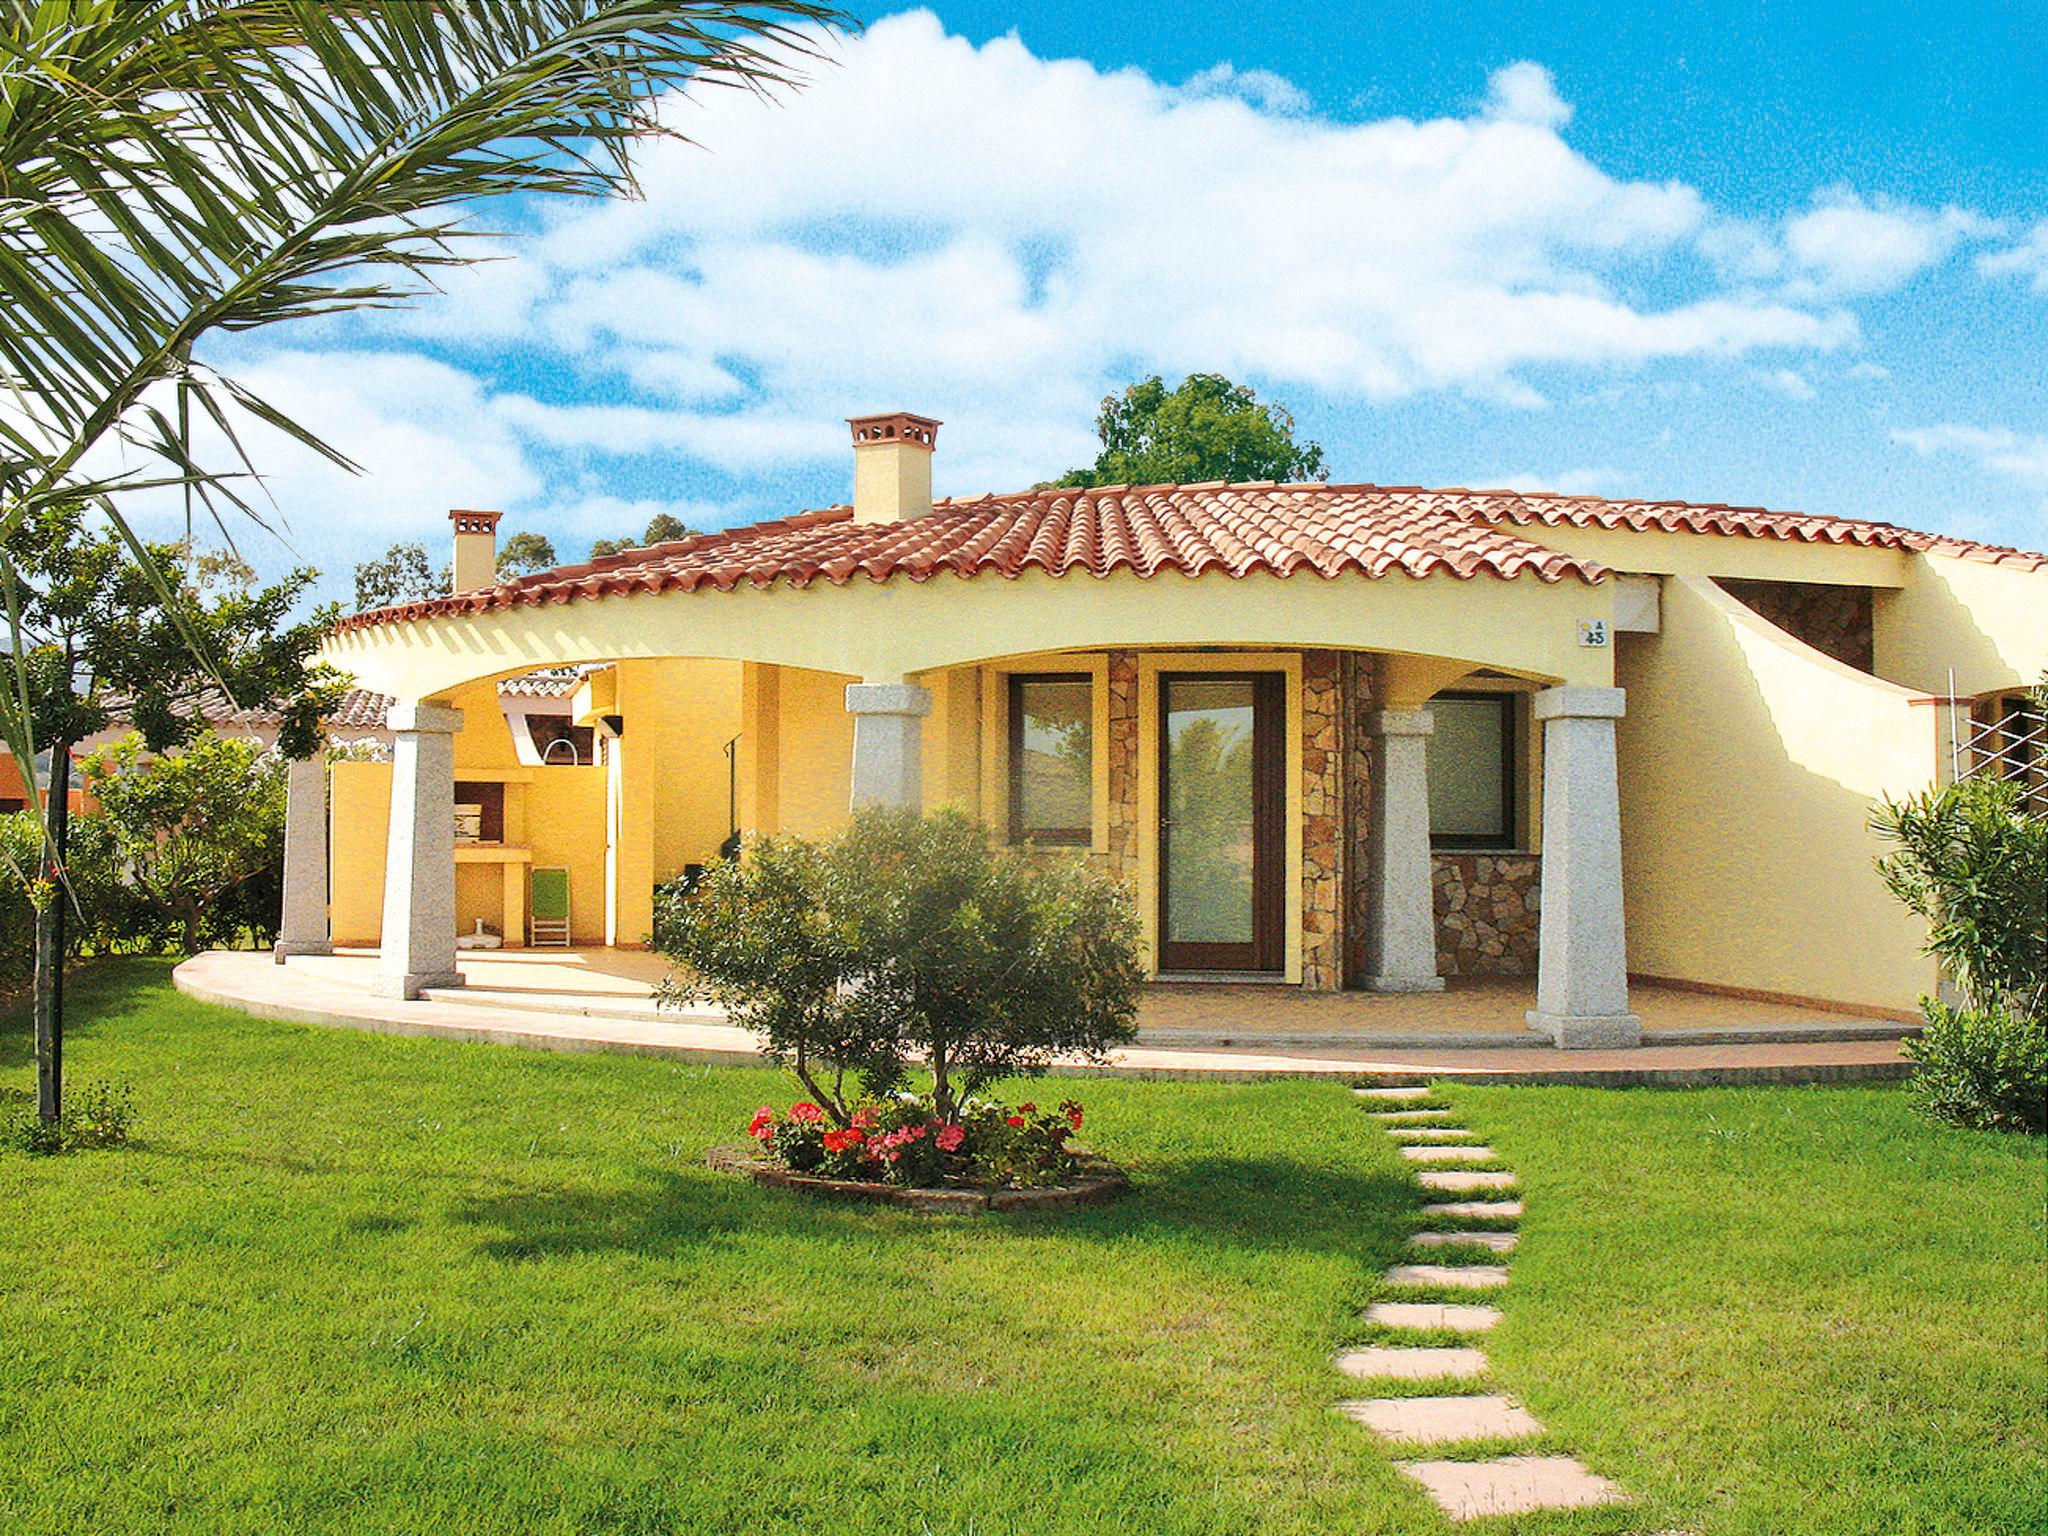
<point>902,1150</point>
<point>1092,1182</point>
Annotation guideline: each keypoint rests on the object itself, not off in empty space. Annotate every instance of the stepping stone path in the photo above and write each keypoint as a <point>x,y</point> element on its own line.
<point>1449,1154</point>
<point>1453,1179</point>
<point>1498,1242</point>
<point>1464,1490</point>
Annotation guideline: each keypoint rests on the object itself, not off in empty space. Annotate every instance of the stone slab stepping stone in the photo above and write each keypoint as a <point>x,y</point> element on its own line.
<point>1408,1114</point>
<point>1474,1208</point>
<point>1511,1485</point>
<point>1432,1314</point>
<point>1413,1364</point>
<point>1464,1277</point>
<point>1449,1154</point>
<point>1451,1179</point>
<point>1441,1420</point>
<point>1499,1242</point>
<point>1422,1133</point>
<point>1392,1093</point>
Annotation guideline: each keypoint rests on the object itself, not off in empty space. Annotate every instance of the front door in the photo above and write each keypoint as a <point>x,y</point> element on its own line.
<point>1222,816</point>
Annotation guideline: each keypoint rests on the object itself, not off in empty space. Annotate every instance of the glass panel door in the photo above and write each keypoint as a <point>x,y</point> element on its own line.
<point>1218,850</point>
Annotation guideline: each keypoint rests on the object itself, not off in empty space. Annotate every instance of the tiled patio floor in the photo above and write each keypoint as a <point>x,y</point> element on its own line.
<point>602,1000</point>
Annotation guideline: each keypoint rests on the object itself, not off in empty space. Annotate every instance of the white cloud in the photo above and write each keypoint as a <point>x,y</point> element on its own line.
<point>2027,260</point>
<point>1790,383</point>
<point>1262,88</point>
<point>999,239</point>
<point>1845,245</point>
<point>1525,92</point>
<point>426,436</point>
<point>2014,455</point>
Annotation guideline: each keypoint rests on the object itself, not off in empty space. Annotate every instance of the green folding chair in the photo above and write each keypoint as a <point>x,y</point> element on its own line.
<point>548,908</point>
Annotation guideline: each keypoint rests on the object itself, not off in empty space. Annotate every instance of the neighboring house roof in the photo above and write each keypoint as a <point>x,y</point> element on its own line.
<point>359,710</point>
<point>554,683</point>
<point>1193,529</point>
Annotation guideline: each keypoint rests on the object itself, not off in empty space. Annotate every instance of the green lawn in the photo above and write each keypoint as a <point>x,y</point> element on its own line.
<point>351,1283</point>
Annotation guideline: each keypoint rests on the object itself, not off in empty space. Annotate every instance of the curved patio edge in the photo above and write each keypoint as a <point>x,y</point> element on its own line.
<point>253,983</point>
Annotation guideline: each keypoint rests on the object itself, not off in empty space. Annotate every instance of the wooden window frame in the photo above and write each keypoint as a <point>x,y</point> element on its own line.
<point>1014,684</point>
<point>1266,953</point>
<point>1506,840</point>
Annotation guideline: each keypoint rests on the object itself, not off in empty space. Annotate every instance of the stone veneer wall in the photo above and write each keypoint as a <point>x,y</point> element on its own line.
<point>1323,809</point>
<point>1487,908</point>
<point>1357,696</point>
<point>1121,862</point>
<point>1836,621</point>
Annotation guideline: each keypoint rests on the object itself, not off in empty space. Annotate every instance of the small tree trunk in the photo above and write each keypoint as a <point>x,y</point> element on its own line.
<point>50,940</point>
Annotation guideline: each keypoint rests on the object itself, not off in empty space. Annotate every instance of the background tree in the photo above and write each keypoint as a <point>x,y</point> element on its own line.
<point>525,553</point>
<point>402,574</point>
<point>93,637</point>
<point>192,826</point>
<point>1206,429</point>
<point>171,170</point>
<point>661,529</point>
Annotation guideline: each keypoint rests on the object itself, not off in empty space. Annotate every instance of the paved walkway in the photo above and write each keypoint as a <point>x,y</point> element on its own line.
<point>1461,1252</point>
<point>563,1004</point>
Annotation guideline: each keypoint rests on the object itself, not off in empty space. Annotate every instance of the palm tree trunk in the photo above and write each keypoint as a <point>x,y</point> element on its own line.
<point>50,939</point>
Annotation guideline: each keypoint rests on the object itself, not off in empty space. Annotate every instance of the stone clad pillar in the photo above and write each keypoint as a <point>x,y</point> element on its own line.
<point>888,739</point>
<point>1400,917</point>
<point>1582,964</point>
<point>418,946</point>
<point>303,928</point>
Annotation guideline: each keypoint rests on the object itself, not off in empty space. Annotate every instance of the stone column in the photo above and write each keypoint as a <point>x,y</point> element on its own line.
<point>888,738</point>
<point>418,946</point>
<point>1582,964</point>
<point>1400,917</point>
<point>303,929</point>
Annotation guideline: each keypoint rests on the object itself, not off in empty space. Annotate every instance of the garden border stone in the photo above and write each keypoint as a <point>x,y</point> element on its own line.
<point>1100,1181</point>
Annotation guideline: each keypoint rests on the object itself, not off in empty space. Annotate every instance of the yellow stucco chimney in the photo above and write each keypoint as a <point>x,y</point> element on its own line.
<point>476,549</point>
<point>892,466</point>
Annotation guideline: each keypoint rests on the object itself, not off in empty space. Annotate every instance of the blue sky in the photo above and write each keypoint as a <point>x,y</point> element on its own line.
<point>1749,253</point>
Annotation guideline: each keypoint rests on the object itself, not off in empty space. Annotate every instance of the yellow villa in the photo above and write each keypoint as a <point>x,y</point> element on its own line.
<point>1329,736</point>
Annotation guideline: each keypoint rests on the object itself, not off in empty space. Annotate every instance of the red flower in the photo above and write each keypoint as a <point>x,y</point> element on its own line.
<point>1027,1109</point>
<point>1014,1119</point>
<point>762,1126</point>
<point>839,1141</point>
<point>1072,1111</point>
<point>949,1138</point>
<point>806,1112</point>
<point>864,1118</point>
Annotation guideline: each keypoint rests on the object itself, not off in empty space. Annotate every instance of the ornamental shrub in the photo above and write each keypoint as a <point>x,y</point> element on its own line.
<point>1973,861</point>
<point>908,938</point>
<point>1986,1070</point>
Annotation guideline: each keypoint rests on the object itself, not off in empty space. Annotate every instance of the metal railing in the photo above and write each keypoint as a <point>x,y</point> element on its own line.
<point>2010,744</point>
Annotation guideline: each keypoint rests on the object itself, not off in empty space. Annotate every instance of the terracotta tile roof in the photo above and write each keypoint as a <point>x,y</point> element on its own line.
<point>359,710</point>
<point>1520,507</point>
<point>1237,530</point>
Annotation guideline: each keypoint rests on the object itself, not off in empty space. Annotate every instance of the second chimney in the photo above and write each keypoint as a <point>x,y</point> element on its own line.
<point>892,466</point>
<point>476,549</point>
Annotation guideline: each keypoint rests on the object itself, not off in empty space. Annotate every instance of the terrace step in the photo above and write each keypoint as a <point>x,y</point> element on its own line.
<point>1503,1208</point>
<point>1444,1420</point>
<point>1499,1242</point>
<point>1421,1092</point>
<point>1413,1363</point>
<point>1408,1114</point>
<point>1433,1314</point>
<point>1452,1179</point>
<point>1469,1154</point>
<point>1511,1485</point>
<point>1463,1277</point>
